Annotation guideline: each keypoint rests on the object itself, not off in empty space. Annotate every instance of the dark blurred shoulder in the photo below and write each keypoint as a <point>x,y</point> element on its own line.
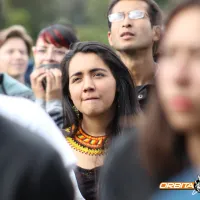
<point>123,175</point>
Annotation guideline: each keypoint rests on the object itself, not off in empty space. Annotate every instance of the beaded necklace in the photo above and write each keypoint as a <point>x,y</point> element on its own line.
<point>87,144</point>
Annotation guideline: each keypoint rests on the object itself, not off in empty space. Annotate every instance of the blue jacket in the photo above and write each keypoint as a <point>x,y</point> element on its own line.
<point>11,87</point>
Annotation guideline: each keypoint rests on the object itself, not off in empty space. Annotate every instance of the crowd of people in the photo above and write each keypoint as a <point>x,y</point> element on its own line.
<point>87,121</point>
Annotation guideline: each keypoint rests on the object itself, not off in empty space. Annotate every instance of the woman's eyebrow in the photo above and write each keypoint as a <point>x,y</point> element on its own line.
<point>91,71</point>
<point>76,74</point>
<point>98,69</point>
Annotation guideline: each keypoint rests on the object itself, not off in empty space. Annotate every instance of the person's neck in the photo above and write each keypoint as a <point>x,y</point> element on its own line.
<point>20,79</point>
<point>193,149</point>
<point>96,126</point>
<point>141,64</point>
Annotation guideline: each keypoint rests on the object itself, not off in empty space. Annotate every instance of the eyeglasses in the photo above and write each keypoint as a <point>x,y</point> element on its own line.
<point>55,51</point>
<point>134,14</point>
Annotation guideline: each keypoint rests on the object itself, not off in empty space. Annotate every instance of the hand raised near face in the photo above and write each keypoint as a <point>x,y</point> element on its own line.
<point>54,85</point>
<point>37,76</point>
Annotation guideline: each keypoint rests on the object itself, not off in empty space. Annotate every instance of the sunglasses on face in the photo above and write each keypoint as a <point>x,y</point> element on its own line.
<point>134,14</point>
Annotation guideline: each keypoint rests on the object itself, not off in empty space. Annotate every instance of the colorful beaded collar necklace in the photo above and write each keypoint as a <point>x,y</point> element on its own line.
<point>87,144</point>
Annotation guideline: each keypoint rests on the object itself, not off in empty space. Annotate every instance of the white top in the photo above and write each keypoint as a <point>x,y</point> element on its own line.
<point>31,116</point>
<point>34,118</point>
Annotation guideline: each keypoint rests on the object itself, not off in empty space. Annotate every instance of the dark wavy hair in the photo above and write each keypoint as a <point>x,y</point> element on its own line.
<point>59,35</point>
<point>167,144</point>
<point>125,99</point>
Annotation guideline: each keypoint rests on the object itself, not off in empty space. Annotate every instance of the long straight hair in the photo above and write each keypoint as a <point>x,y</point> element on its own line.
<point>159,142</point>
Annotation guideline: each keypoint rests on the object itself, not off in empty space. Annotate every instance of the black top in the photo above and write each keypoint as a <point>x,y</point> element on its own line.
<point>88,182</point>
<point>87,179</point>
<point>30,168</point>
<point>143,93</point>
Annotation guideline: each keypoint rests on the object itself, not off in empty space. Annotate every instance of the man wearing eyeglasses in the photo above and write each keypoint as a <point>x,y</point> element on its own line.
<point>134,31</point>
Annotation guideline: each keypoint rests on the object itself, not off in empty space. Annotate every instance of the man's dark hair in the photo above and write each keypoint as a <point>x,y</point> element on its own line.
<point>154,11</point>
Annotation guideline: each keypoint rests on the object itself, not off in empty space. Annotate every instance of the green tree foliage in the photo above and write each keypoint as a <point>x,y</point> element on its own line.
<point>88,17</point>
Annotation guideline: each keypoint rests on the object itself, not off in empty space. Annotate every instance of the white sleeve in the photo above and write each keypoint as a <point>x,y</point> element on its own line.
<point>40,102</point>
<point>54,109</point>
<point>31,116</point>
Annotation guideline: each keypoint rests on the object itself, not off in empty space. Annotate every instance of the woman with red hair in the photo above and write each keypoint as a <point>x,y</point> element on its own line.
<point>52,44</point>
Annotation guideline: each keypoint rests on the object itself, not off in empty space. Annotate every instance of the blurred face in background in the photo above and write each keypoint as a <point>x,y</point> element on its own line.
<point>14,57</point>
<point>178,78</point>
<point>47,53</point>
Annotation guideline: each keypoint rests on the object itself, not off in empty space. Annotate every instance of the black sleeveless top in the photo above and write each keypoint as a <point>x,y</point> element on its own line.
<point>87,179</point>
<point>88,182</point>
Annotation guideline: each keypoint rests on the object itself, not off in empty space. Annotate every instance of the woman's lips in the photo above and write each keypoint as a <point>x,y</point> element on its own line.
<point>91,98</point>
<point>181,104</point>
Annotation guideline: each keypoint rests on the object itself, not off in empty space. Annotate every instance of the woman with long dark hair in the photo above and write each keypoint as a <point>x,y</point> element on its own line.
<point>99,102</point>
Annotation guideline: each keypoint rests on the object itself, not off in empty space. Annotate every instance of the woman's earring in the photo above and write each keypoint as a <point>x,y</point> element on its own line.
<point>76,110</point>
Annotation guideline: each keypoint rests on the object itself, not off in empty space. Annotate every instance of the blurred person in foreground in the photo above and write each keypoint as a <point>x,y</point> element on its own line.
<point>52,45</point>
<point>98,91</point>
<point>29,167</point>
<point>134,32</point>
<point>38,122</point>
<point>15,49</point>
<point>168,140</point>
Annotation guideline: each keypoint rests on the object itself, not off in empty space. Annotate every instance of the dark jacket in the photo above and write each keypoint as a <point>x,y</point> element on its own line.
<point>143,94</point>
<point>122,176</point>
<point>29,167</point>
<point>11,87</point>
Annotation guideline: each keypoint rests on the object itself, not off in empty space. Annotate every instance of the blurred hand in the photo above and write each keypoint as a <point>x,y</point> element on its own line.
<point>54,85</point>
<point>37,77</point>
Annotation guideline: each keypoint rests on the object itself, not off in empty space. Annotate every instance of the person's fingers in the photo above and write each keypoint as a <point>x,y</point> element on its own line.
<point>58,75</point>
<point>41,77</point>
<point>39,84</point>
<point>52,75</point>
<point>36,74</point>
<point>50,81</point>
<point>53,90</point>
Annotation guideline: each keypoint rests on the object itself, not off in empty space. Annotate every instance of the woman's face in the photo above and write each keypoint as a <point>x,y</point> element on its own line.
<point>47,53</point>
<point>92,86</point>
<point>178,78</point>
